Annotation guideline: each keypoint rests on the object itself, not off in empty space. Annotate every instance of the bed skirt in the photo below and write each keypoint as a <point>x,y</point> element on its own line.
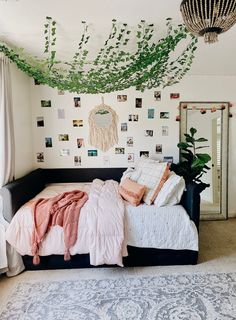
<point>137,257</point>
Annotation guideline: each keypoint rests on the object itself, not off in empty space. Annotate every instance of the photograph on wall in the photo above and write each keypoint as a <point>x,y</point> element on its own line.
<point>124,127</point>
<point>130,141</point>
<point>121,97</point>
<point>46,103</point>
<point>40,157</point>
<point>61,92</point>
<point>144,154</point>
<point>106,161</point>
<point>165,131</point>
<point>174,95</point>
<point>80,142</point>
<point>138,103</point>
<point>48,142</point>
<point>168,159</point>
<point>78,123</point>
<point>157,95</point>
<point>61,113</point>
<point>148,133</point>
<point>64,152</point>
<point>63,137</point>
<point>158,148</point>
<point>151,113</point>
<point>92,153</point>
<point>119,150</point>
<point>77,102</point>
<point>133,117</point>
<point>164,115</point>
<point>130,157</point>
<point>77,161</point>
<point>40,122</point>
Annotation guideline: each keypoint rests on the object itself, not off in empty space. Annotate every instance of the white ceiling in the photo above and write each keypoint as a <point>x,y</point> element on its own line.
<point>21,24</point>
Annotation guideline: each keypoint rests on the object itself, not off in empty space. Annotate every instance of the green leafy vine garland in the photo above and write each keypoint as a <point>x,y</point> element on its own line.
<point>114,68</point>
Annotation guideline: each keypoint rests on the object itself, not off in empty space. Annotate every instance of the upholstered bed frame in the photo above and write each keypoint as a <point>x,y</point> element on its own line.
<point>16,193</point>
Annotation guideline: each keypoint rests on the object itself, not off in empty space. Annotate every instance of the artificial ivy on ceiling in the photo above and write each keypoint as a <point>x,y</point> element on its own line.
<point>114,68</point>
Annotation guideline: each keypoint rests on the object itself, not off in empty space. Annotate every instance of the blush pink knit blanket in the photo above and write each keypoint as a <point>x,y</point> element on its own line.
<point>63,210</point>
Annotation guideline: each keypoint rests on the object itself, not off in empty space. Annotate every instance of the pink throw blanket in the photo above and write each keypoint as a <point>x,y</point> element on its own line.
<point>62,210</point>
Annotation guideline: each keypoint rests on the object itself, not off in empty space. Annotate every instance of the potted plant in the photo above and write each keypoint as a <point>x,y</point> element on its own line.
<point>193,164</point>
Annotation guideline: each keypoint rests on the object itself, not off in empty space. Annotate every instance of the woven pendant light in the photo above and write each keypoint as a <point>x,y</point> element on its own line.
<point>208,18</point>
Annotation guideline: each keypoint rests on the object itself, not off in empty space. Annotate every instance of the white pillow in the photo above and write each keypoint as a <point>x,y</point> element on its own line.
<point>171,192</point>
<point>153,175</point>
<point>131,173</point>
<point>144,162</point>
<point>134,173</point>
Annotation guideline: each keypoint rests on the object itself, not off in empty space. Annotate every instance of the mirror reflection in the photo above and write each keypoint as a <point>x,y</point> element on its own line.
<point>209,127</point>
<point>211,121</point>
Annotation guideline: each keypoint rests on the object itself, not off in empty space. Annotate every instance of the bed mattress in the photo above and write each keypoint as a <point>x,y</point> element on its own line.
<point>145,227</point>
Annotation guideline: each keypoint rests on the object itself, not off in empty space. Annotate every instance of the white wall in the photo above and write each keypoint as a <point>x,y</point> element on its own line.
<point>22,122</point>
<point>55,126</point>
<point>192,88</point>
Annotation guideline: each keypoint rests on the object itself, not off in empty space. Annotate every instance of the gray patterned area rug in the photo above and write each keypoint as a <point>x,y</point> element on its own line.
<point>184,297</point>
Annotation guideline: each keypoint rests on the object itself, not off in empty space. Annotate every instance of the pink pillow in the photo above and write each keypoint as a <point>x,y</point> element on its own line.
<point>131,191</point>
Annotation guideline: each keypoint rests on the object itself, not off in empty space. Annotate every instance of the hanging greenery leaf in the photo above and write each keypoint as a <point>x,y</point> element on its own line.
<point>114,68</point>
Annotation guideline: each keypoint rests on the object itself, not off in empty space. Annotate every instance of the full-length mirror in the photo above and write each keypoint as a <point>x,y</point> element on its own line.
<point>211,119</point>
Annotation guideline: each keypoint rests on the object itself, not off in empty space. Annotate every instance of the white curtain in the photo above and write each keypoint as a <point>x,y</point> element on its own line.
<point>7,144</point>
<point>10,260</point>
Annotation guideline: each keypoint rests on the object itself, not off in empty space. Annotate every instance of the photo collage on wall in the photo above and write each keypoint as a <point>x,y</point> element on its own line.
<point>153,113</point>
<point>62,137</point>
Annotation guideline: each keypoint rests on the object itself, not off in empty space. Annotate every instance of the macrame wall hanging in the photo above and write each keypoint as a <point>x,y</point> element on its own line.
<point>103,127</point>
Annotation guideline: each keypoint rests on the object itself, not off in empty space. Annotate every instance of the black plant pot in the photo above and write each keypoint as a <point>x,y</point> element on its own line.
<point>201,186</point>
<point>191,200</point>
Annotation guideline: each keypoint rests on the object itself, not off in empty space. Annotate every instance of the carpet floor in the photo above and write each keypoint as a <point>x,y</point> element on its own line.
<point>197,296</point>
<point>217,264</point>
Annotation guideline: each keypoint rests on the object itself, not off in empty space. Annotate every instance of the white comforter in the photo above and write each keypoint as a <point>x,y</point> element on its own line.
<point>145,226</point>
<point>102,226</point>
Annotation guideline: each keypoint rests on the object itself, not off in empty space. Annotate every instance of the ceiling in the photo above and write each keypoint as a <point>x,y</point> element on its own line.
<point>21,24</point>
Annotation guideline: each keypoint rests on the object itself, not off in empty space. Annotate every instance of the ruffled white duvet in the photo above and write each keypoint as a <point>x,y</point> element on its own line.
<point>145,226</point>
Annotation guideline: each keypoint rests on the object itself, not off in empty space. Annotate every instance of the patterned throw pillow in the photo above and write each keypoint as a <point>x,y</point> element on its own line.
<point>131,191</point>
<point>153,176</point>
